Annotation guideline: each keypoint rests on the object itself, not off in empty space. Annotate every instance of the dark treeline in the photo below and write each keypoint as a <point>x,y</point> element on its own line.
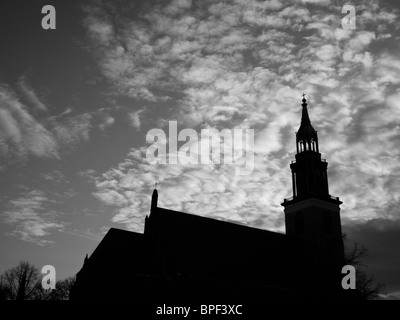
<point>24,282</point>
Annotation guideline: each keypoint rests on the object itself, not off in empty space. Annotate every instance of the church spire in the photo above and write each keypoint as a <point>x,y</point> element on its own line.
<point>306,137</point>
<point>312,214</point>
<point>305,119</point>
<point>154,199</point>
<point>309,171</point>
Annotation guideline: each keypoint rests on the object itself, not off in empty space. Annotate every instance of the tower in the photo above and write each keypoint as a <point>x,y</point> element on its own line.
<point>312,214</point>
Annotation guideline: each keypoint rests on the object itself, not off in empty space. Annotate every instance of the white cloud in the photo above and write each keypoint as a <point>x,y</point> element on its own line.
<point>31,220</point>
<point>135,119</point>
<point>20,130</point>
<point>22,134</point>
<point>71,130</point>
<point>30,94</point>
<point>108,121</point>
<point>319,2</point>
<point>244,64</point>
<point>55,176</point>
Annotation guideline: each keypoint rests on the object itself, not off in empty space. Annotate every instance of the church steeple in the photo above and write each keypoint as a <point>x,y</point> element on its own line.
<point>309,171</point>
<point>304,116</point>
<point>312,214</point>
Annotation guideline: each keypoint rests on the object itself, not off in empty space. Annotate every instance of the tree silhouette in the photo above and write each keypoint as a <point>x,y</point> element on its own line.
<point>24,282</point>
<point>61,292</point>
<point>5,291</point>
<point>366,285</point>
<point>21,282</point>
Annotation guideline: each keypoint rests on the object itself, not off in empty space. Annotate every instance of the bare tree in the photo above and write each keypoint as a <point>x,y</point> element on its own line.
<point>21,282</point>
<point>5,292</point>
<point>365,283</point>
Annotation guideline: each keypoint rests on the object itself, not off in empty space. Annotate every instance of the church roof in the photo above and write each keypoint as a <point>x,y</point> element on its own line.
<point>198,249</point>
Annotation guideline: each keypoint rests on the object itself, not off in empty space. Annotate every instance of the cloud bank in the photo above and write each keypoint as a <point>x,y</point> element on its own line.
<point>244,64</point>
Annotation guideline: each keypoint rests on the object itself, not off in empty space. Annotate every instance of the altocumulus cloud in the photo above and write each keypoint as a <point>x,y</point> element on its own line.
<point>20,133</point>
<point>243,64</point>
<point>30,218</point>
<point>189,188</point>
<point>28,131</point>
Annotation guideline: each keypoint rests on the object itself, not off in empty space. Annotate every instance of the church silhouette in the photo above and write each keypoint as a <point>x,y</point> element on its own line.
<point>184,256</point>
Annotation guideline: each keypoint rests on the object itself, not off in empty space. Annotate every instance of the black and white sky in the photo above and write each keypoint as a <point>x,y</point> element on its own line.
<point>77,102</point>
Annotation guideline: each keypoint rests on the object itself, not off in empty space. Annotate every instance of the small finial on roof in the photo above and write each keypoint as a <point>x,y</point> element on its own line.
<point>304,99</point>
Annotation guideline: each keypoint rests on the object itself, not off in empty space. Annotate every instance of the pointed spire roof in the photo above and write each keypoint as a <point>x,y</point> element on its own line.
<point>305,119</point>
<point>155,193</point>
<point>306,131</point>
<point>154,199</point>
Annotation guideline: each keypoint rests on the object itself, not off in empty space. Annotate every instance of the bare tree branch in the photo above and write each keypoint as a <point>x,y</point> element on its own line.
<point>21,282</point>
<point>365,283</point>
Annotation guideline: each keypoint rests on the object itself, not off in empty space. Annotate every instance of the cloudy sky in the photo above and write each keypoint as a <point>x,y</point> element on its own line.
<point>77,102</point>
